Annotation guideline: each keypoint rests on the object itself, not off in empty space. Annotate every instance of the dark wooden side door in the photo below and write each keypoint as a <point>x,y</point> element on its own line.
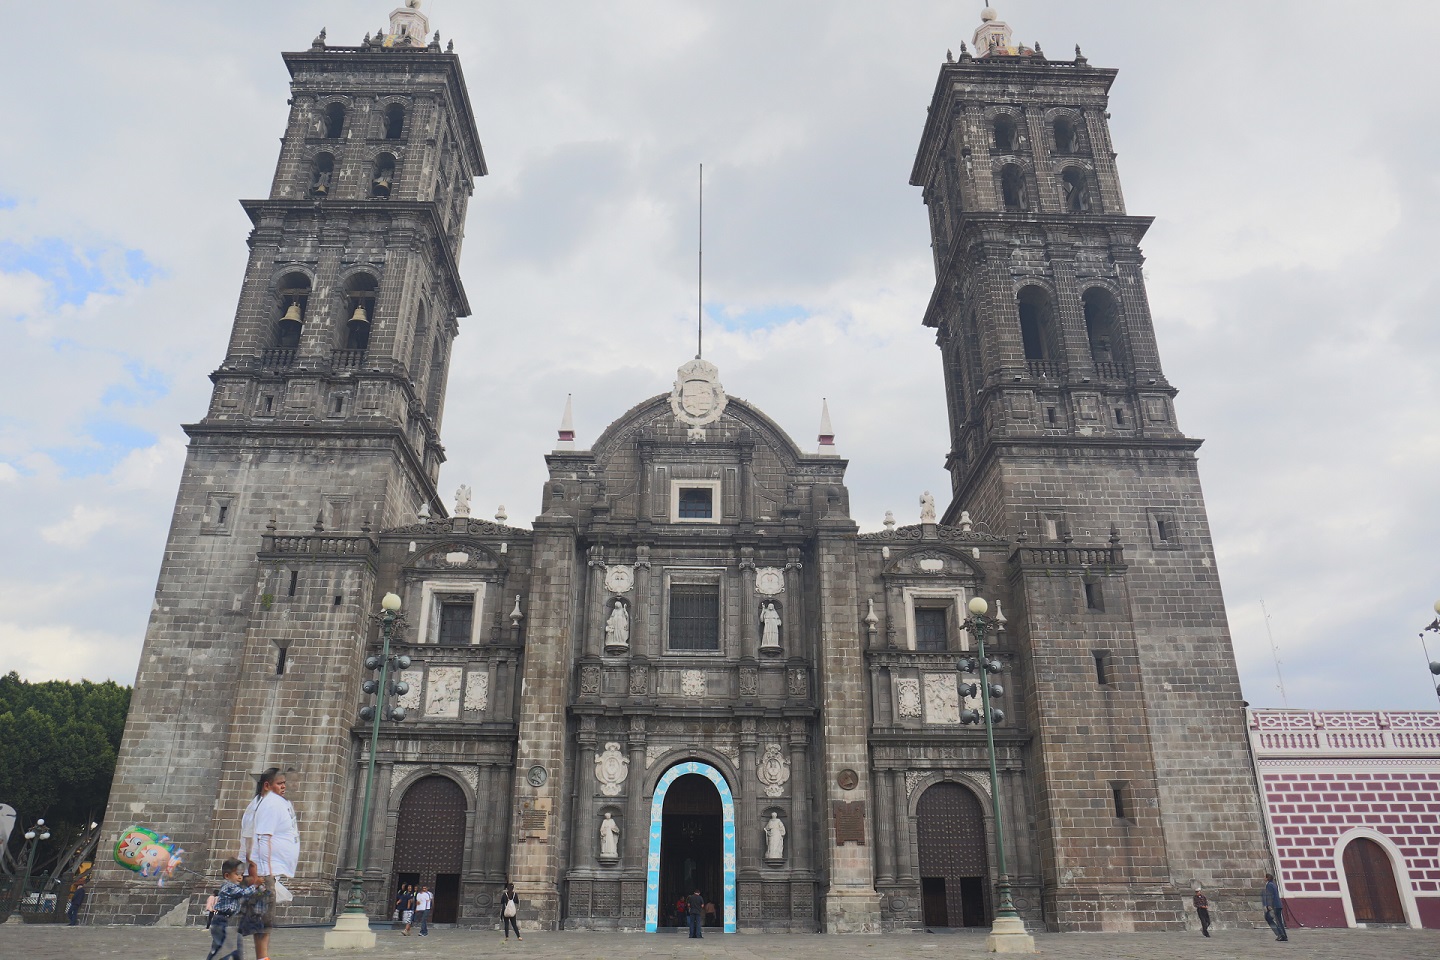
<point>430,840</point>
<point>1373,892</point>
<point>951,840</point>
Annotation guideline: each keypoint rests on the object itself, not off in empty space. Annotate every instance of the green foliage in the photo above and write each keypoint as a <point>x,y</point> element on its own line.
<point>58,742</point>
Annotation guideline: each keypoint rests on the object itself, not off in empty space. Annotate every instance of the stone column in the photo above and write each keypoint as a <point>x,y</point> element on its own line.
<point>637,816</point>
<point>476,824</point>
<point>748,819</point>
<point>582,838</point>
<point>885,826</point>
<point>748,607</point>
<point>593,619</point>
<point>905,852</point>
<point>804,855</point>
<point>642,644</point>
<point>1070,313</point>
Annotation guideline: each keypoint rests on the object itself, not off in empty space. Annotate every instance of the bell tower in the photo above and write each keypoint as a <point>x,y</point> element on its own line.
<point>323,426</point>
<point>1063,438</point>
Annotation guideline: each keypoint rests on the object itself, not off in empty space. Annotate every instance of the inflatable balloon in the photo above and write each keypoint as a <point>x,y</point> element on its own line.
<point>148,853</point>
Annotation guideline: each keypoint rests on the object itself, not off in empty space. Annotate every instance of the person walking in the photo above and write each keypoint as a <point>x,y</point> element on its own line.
<point>270,844</point>
<point>77,900</point>
<point>695,911</point>
<point>1202,910</point>
<point>407,909</point>
<point>1274,908</point>
<point>228,901</point>
<point>509,907</point>
<point>424,900</point>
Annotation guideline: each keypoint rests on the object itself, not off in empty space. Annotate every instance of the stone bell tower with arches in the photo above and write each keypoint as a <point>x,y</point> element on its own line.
<point>1063,438</point>
<point>322,427</point>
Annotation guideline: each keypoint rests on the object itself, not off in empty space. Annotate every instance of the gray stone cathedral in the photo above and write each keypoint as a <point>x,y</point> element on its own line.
<point>693,669</point>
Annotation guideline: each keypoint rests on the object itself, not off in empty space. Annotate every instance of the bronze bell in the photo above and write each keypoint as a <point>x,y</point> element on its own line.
<point>359,315</point>
<point>292,312</point>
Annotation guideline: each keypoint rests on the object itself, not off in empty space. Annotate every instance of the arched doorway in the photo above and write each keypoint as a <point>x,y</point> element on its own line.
<point>1371,879</point>
<point>430,843</point>
<point>692,844</point>
<point>954,859</point>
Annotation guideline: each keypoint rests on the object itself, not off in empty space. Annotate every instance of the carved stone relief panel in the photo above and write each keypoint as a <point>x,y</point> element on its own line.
<point>749,681</point>
<point>611,768</point>
<point>442,692</point>
<point>773,770</point>
<point>799,683</point>
<point>907,698</point>
<point>477,690</point>
<point>942,698</point>
<point>692,683</point>
<point>411,699</point>
<point>590,678</point>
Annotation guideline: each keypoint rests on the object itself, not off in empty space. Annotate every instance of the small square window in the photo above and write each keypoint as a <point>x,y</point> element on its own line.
<point>696,503</point>
<point>931,631</point>
<point>1119,794</point>
<point>457,619</point>
<point>1165,530</point>
<point>219,515</point>
<point>1094,596</point>
<point>695,616</point>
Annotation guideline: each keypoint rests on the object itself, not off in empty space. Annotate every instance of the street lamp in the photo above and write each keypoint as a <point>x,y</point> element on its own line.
<point>33,836</point>
<point>352,927</point>
<point>1434,627</point>
<point>1007,931</point>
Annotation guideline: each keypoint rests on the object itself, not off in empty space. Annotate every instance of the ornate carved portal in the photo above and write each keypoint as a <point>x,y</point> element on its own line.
<point>954,858</point>
<point>430,842</point>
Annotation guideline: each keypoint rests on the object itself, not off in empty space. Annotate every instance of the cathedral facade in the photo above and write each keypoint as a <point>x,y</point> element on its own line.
<point>693,669</point>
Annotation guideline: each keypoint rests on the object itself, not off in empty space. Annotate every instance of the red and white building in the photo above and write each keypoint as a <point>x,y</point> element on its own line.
<point>1352,807</point>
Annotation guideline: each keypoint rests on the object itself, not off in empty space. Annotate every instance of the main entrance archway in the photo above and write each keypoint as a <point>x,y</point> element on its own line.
<point>430,842</point>
<point>691,836</point>
<point>954,860</point>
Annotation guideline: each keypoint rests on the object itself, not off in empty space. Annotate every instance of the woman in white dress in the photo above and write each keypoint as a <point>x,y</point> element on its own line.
<point>270,843</point>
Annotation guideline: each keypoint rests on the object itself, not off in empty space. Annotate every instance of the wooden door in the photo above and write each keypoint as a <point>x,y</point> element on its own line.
<point>951,839</point>
<point>1373,892</point>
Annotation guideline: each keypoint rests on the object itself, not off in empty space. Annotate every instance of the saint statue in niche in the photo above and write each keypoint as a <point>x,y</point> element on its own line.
<point>770,627</point>
<point>609,838</point>
<point>617,628</point>
<point>774,837</point>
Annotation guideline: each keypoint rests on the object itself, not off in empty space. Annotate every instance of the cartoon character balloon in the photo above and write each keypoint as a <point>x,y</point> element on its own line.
<point>148,854</point>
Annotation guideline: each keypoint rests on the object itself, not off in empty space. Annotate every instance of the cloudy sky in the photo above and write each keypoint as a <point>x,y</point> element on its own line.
<point>1287,149</point>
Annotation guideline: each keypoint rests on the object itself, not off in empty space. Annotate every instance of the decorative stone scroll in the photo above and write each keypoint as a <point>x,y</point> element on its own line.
<point>907,699</point>
<point>912,780</point>
<point>773,770</point>
<point>799,683</point>
<point>477,690</point>
<point>411,699</point>
<point>590,678</point>
<point>692,683</point>
<point>611,768</point>
<point>749,681</point>
<point>639,679</point>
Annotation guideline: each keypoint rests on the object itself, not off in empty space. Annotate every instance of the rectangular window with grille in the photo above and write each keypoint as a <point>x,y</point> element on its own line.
<point>697,503</point>
<point>457,618</point>
<point>930,629</point>
<point>695,616</point>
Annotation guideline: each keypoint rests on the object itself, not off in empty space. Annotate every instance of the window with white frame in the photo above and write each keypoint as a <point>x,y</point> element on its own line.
<point>695,501</point>
<point>932,619</point>
<point>450,611</point>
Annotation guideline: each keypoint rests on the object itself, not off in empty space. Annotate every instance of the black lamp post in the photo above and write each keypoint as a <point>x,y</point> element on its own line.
<point>1434,627</point>
<point>352,927</point>
<point>33,836</point>
<point>1007,931</point>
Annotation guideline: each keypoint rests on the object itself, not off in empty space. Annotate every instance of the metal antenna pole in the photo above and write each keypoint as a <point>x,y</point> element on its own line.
<point>700,275</point>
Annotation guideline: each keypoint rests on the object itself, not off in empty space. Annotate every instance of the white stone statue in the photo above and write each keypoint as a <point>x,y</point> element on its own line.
<point>609,838</point>
<point>774,837</point>
<point>462,501</point>
<point>617,628</point>
<point>927,507</point>
<point>770,627</point>
<point>889,520</point>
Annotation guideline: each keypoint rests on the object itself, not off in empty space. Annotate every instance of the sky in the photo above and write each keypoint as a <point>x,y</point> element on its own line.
<point>1286,149</point>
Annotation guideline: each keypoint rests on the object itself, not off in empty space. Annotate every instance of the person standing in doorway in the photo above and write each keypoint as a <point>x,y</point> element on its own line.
<point>270,844</point>
<point>695,911</point>
<point>77,900</point>
<point>1274,908</point>
<point>424,900</point>
<point>1202,910</point>
<point>509,908</point>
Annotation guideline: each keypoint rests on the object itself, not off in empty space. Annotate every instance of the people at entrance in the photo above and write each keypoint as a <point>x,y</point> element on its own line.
<point>1202,910</point>
<point>407,909</point>
<point>509,907</point>
<point>424,901</point>
<point>270,844</point>
<point>695,911</point>
<point>1274,908</point>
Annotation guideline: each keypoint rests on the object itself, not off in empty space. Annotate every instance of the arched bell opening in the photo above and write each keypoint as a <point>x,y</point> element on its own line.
<point>359,305</point>
<point>294,295</point>
<point>322,170</point>
<point>382,177</point>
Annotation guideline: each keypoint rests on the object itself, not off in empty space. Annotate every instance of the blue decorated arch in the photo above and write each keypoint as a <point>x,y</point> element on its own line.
<point>727,834</point>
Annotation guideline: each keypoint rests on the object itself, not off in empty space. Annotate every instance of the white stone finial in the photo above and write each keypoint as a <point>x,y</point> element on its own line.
<point>966,524</point>
<point>566,439</point>
<point>515,615</point>
<point>424,512</point>
<point>827,432</point>
<point>500,515</point>
<point>889,519</point>
<point>870,619</point>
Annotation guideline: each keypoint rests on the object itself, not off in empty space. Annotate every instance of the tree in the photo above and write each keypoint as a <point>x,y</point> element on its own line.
<point>58,743</point>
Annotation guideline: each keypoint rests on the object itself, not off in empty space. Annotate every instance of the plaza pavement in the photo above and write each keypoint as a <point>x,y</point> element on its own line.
<point>56,942</point>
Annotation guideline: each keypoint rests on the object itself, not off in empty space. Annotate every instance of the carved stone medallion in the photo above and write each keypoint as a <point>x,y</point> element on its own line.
<point>749,681</point>
<point>907,698</point>
<point>697,397</point>
<point>611,768</point>
<point>773,770</point>
<point>619,579</point>
<point>848,779</point>
<point>692,683</point>
<point>590,678</point>
<point>537,776</point>
<point>769,581</point>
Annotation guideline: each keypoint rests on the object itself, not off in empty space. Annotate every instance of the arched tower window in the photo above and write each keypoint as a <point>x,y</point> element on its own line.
<point>1012,188</point>
<point>334,120</point>
<point>1075,190</point>
<point>383,177</point>
<point>294,292</point>
<point>1005,135</point>
<point>321,171</point>
<point>359,311</point>
<point>1065,140</point>
<point>1102,328</point>
<point>394,121</point>
<point>1037,329</point>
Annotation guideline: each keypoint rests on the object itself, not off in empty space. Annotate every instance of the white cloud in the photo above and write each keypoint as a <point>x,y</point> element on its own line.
<point>83,523</point>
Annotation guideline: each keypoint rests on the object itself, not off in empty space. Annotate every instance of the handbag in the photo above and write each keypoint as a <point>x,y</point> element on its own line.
<point>509,908</point>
